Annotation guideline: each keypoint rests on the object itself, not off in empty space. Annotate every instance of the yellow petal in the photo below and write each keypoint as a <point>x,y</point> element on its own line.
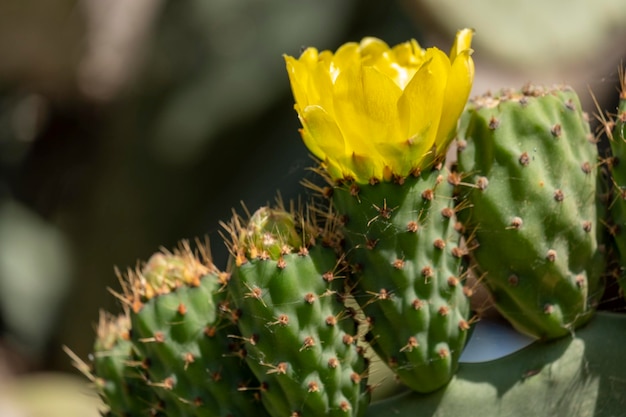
<point>409,54</point>
<point>372,49</point>
<point>321,134</point>
<point>346,56</point>
<point>298,77</point>
<point>462,42</point>
<point>337,170</point>
<point>364,168</point>
<point>310,79</point>
<point>366,108</point>
<point>421,106</point>
<point>457,92</point>
<point>373,111</point>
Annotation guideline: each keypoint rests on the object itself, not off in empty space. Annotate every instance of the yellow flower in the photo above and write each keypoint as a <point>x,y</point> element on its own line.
<point>371,112</point>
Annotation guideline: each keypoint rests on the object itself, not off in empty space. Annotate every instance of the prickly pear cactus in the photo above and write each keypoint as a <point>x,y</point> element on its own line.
<point>409,276</point>
<point>378,118</point>
<point>615,127</point>
<point>528,165</point>
<point>183,331</point>
<point>301,340</point>
<point>116,373</point>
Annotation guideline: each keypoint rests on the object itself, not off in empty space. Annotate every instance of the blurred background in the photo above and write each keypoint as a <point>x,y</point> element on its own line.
<point>130,125</point>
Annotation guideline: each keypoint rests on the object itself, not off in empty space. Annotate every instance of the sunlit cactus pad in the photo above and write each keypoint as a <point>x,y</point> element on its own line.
<point>529,172</point>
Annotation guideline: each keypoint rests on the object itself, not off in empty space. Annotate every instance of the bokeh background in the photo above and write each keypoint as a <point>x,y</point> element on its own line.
<point>126,125</point>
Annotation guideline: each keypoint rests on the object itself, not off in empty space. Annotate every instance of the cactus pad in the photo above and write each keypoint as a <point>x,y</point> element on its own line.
<point>409,276</point>
<point>529,165</point>
<point>301,339</point>
<point>182,329</point>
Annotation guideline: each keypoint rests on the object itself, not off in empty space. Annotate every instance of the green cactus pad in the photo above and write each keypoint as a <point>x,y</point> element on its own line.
<point>300,338</point>
<point>529,165</point>
<point>183,329</point>
<point>408,273</point>
<point>615,127</point>
<point>115,371</point>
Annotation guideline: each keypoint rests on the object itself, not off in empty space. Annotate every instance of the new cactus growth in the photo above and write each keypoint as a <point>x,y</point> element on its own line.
<point>116,373</point>
<point>529,165</point>
<point>183,327</point>
<point>288,286</point>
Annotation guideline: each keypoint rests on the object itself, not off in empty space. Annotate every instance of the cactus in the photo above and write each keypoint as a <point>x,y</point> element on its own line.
<point>379,119</point>
<point>409,274</point>
<point>288,286</point>
<point>116,373</point>
<point>173,352</point>
<point>615,129</point>
<point>280,333</point>
<point>529,164</point>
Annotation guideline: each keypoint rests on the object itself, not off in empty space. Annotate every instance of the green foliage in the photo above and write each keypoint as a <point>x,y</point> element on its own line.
<point>574,376</point>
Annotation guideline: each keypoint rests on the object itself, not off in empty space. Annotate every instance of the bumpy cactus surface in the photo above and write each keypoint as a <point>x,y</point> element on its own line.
<point>409,276</point>
<point>175,351</point>
<point>116,373</point>
<point>183,329</point>
<point>301,340</point>
<point>529,165</point>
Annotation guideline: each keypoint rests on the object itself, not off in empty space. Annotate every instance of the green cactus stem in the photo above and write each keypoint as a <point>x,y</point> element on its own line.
<point>184,329</point>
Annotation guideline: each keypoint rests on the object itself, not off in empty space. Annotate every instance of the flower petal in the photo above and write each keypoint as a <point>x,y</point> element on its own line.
<point>321,134</point>
<point>421,106</point>
<point>371,111</point>
<point>457,92</point>
<point>366,108</point>
<point>346,56</point>
<point>310,79</point>
<point>462,42</point>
